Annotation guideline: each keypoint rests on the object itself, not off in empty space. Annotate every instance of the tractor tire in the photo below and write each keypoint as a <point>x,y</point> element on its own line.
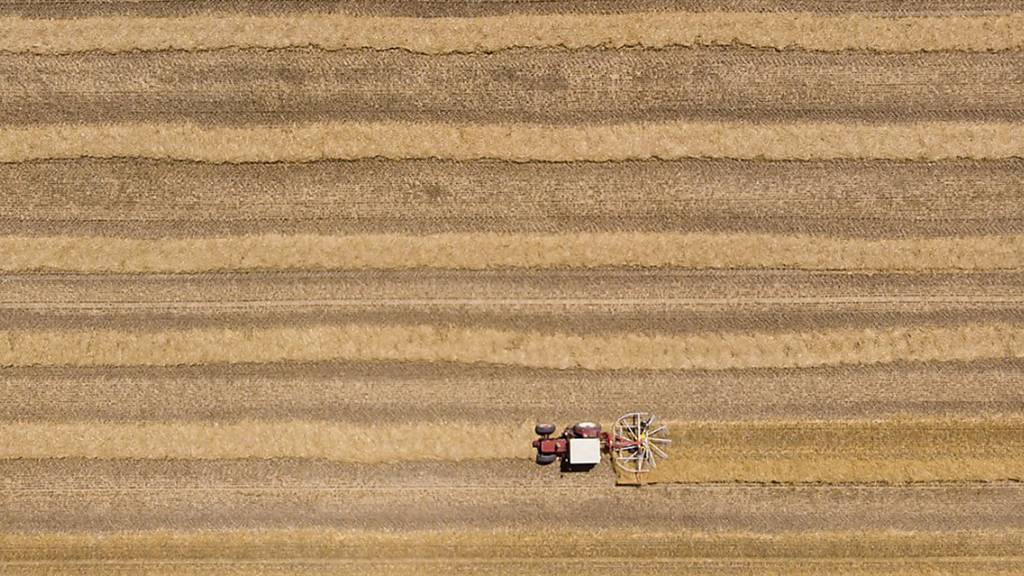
<point>544,429</point>
<point>586,430</point>
<point>545,459</point>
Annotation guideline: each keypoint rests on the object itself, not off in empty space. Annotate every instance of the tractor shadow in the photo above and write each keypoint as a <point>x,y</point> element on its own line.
<point>565,467</point>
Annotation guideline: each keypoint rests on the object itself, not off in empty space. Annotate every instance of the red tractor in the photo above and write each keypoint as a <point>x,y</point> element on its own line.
<point>633,443</point>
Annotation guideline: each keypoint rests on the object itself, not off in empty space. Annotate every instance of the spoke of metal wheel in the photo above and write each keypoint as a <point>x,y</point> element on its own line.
<point>660,440</point>
<point>658,451</point>
<point>656,430</point>
<point>623,429</point>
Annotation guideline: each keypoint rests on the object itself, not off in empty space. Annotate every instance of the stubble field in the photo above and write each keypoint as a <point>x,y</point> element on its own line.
<point>285,285</point>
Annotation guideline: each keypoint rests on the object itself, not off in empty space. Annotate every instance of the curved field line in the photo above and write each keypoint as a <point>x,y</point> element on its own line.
<point>490,33</point>
<point>341,441</point>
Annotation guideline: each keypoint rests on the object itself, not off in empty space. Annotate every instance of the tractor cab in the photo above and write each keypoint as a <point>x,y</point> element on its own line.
<point>580,445</point>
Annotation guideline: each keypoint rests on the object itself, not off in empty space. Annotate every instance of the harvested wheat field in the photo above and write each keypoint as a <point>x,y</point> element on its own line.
<point>285,285</point>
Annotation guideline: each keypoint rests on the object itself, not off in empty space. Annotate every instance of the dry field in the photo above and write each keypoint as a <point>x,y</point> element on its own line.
<point>285,284</point>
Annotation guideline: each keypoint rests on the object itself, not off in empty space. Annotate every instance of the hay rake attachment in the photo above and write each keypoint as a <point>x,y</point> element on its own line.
<point>638,442</point>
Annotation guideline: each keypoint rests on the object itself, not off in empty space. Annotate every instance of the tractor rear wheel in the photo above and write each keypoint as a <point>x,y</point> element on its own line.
<point>544,429</point>
<point>545,459</point>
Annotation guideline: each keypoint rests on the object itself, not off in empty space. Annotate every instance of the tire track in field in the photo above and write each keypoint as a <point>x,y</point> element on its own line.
<point>382,393</point>
<point>518,142</point>
<point>74,495</point>
<point>712,351</point>
<point>440,550</point>
<point>842,199</point>
<point>483,251</point>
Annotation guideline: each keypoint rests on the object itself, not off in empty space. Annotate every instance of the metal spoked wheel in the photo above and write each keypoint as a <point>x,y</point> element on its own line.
<point>639,441</point>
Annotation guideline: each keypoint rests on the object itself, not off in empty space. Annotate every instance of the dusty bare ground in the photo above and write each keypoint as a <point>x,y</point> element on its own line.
<point>858,198</point>
<point>44,496</point>
<point>551,86</point>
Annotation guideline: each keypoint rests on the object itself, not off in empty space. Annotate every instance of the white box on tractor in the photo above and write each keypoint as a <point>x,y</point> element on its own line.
<point>584,451</point>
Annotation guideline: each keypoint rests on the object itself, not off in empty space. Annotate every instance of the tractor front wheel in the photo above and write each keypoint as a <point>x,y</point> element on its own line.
<point>544,429</point>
